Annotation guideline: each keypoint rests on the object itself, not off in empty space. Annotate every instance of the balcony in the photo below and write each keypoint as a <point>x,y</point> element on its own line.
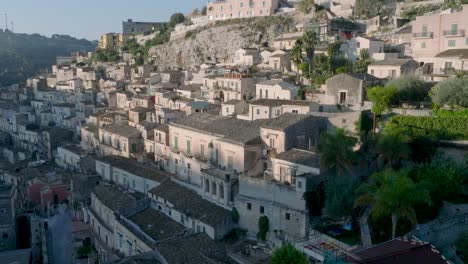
<point>423,35</point>
<point>454,33</point>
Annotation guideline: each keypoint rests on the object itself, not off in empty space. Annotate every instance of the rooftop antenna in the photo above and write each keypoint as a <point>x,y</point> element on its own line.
<point>6,21</point>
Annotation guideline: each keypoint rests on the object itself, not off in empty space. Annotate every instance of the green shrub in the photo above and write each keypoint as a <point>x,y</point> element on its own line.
<point>448,128</point>
<point>288,254</point>
<point>450,113</point>
<point>412,12</point>
<point>451,92</point>
<point>462,246</point>
<point>263,227</point>
<point>235,215</point>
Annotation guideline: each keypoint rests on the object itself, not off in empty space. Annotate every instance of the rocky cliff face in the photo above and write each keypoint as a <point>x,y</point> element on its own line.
<point>219,41</point>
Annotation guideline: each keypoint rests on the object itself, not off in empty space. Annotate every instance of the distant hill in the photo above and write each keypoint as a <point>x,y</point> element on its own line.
<point>23,55</point>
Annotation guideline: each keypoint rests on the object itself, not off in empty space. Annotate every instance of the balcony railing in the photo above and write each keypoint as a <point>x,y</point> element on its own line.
<point>460,32</point>
<point>423,35</point>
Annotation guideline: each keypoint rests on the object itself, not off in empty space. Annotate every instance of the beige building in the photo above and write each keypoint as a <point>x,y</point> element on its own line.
<point>273,108</point>
<point>129,174</point>
<point>276,89</point>
<point>107,202</point>
<point>229,9</point>
<point>113,40</point>
<point>287,41</point>
<point>247,57</point>
<point>232,86</point>
<point>189,209</point>
<point>392,68</point>
<point>353,48</point>
<point>119,140</point>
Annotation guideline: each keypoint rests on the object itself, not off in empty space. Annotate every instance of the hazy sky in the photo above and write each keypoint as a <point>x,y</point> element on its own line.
<point>87,18</point>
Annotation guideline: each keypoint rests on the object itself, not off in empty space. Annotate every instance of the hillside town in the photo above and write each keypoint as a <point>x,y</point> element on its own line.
<point>246,132</point>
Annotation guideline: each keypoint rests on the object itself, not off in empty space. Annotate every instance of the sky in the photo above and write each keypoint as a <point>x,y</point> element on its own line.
<point>87,18</point>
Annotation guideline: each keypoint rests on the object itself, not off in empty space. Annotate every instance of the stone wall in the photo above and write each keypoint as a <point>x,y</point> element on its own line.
<point>218,42</point>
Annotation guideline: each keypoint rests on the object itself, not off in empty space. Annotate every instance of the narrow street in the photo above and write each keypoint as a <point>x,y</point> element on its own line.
<point>61,227</point>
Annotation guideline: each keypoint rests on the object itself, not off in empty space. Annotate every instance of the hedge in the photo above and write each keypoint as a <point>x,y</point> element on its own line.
<point>449,113</point>
<point>437,127</point>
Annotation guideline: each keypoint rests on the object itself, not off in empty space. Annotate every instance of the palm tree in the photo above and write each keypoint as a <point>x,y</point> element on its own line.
<point>296,57</point>
<point>309,40</point>
<point>337,150</point>
<point>392,193</point>
<point>393,145</point>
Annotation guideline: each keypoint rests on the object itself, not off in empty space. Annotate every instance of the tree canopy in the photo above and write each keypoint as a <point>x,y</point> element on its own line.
<point>23,55</point>
<point>392,194</point>
<point>452,92</point>
<point>381,97</point>
<point>393,144</point>
<point>337,150</point>
<point>306,6</point>
<point>288,254</point>
<point>176,18</point>
<point>409,87</point>
<point>339,196</point>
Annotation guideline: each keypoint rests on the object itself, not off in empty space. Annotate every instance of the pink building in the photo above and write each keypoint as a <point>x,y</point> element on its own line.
<point>434,34</point>
<point>228,9</point>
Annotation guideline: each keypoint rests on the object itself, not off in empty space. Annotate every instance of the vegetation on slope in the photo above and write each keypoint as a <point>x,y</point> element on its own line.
<point>23,55</point>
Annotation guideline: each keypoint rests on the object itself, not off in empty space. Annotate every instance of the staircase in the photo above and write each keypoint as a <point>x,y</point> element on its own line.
<point>50,247</point>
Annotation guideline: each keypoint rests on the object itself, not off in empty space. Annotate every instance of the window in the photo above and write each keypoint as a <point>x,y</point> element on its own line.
<point>424,30</point>
<point>227,110</point>
<point>230,162</point>
<point>202,151</point>
<point>295,111</point>
<point>221,191</point>
<point>207,186</point>
<point>423,45</point>
<point>130,248</point>
<point>466,41</point>
<point>454,29</point>
<point>133,184</point>
<point>5,235</point>
<point>120,239</point>
<point>213,188</point>
<point>176,143</point>
<point>452,43</point>
<point>258,111</point>
<point>343,121</point>
<point>342,97</point>
<point>299,184</point>
<point>358,44</point>
<point>189,149</point>
<point>261,93</point>
<point>262,209</point>
<point>288,216</point>
<point>249,206</point>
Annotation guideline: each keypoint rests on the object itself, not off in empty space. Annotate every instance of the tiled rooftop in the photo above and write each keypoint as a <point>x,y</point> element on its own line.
<point>133,167</point>
<point>190,203</point>
<point>300,156</point>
